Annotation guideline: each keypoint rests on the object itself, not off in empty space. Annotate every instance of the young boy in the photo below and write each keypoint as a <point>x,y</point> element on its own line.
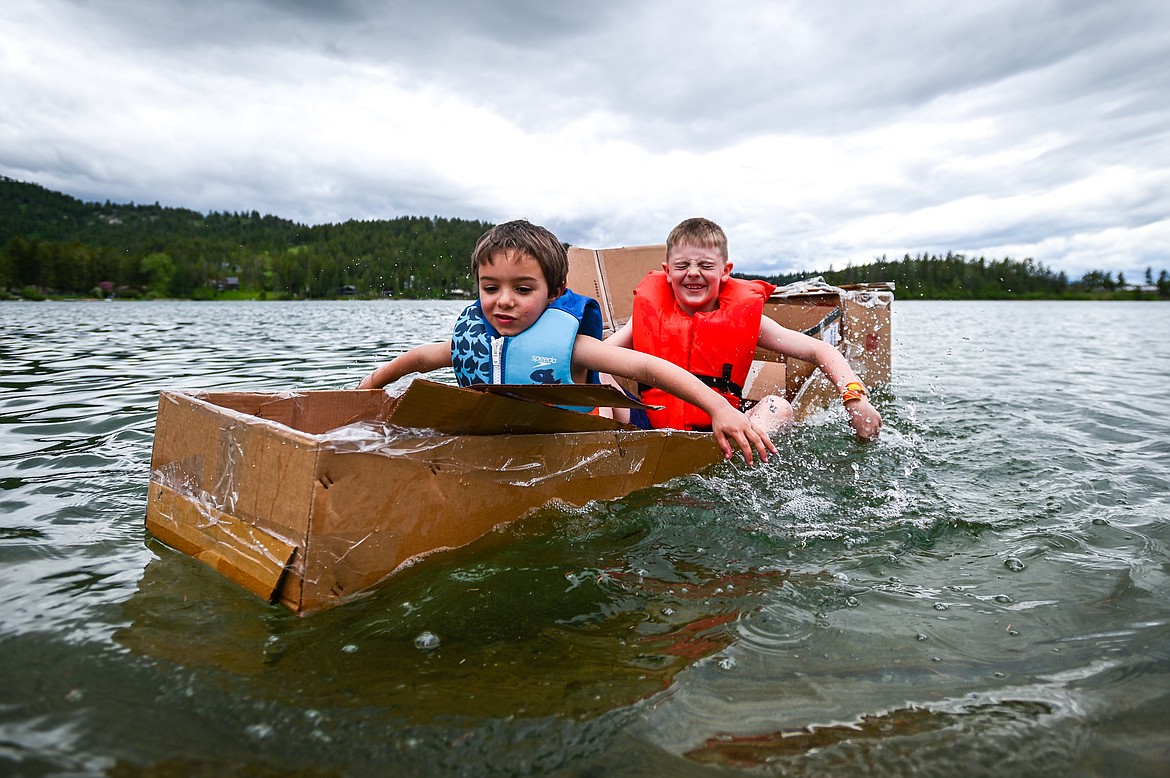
<point>697,316</point>
<point>525,329</point>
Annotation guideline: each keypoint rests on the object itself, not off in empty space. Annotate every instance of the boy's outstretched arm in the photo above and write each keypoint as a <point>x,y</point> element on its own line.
<point>727,424</point>
<point>863,417</point>
<point>421,359</point>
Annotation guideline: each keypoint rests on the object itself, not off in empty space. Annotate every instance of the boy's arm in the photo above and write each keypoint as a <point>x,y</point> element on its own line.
<point>421,359</point>
<point>863,417</point>
<point>624,337</point>
<point>727,423</point>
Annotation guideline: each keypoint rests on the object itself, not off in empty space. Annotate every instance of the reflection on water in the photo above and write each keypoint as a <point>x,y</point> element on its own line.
<point>987,585</point>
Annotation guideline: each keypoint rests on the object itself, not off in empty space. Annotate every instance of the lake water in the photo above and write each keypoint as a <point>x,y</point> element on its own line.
<point>984,591</point>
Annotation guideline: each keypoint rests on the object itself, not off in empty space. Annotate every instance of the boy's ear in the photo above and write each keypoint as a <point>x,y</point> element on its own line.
<point>558,292</point>
<point>727,269</point>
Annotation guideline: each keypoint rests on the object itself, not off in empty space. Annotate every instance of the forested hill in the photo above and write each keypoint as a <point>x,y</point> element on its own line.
<point>54,244</point>
<point>957,277</point>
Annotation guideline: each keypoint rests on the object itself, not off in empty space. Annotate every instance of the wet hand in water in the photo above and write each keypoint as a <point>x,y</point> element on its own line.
<point>864,419</point>
<point>731,425</point>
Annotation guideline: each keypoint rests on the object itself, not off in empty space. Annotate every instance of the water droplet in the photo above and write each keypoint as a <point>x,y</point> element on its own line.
<point>852,602</point>
<point>668,611</point>
<point>426,641</point>
<point>941,606</point>
<point>1000,675</point>
<point>1015,564</point>
<point>1003,598</point>
<point>260,731</point>
<point>1014,633</point>
<point>936,659</point>
<point>920,637</point>
<point>349,648</point>
<point>1100,522</point>
<point>726,663</point>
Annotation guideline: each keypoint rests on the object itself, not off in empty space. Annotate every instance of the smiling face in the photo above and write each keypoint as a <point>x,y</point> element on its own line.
<point>513,291</point>
<point>696,275</point>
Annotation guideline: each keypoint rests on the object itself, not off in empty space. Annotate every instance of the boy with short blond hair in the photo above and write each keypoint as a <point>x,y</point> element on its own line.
<point>527,327</point>
<point>695,315</point>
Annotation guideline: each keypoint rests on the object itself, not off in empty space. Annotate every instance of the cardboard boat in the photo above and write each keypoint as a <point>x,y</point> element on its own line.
<point>312,498</point>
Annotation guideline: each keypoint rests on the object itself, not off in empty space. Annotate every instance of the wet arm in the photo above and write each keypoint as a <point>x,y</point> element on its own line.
<point>863,417</point>
<point>727,424</point>
<point>421,359</point>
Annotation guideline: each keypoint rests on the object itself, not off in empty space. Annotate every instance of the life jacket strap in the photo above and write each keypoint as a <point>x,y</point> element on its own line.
<point>722,384</point>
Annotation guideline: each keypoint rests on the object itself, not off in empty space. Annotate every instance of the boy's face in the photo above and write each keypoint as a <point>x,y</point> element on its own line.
<point>513,291</point>
<point>696,274</point>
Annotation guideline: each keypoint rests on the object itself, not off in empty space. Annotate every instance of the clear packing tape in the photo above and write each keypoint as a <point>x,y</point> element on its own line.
<point>879,295</point>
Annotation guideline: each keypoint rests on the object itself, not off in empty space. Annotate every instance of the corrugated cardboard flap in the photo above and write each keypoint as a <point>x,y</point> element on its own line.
<point>594,395</point>
<point>255,559</point>
<point>453,410</point>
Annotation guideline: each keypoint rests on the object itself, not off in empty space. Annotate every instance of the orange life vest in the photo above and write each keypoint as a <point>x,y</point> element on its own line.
<point>716,346</point>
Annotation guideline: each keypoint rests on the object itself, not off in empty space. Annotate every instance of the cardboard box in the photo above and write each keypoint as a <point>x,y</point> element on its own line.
<point>309,499</point>
<point>855,319</point>
<point>610,275</point>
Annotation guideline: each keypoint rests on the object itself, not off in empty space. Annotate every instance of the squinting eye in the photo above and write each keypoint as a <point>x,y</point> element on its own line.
<point>706,267</point>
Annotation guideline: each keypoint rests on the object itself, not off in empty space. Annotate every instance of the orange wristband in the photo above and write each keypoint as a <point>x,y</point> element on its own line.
<point>853,391</point>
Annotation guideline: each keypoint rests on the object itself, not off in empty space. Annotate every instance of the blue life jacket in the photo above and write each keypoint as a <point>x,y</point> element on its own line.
<point>542,354</point>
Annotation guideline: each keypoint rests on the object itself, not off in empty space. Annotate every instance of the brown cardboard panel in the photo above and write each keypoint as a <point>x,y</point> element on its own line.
<point>455,411</point>
<point>812,316</point>
<point>320,411</point>
<point>253,558</point>
<point>623,269</point>
<point>857,322</point>
<point>610,275</point>
<point>817,316</point>
<point>765,378</point>
<point>254,469</point>
<point>376,512</point>
<point>585,278</point>
<point>815,394</point>
<point>869,338</point>
<point>594,395</point>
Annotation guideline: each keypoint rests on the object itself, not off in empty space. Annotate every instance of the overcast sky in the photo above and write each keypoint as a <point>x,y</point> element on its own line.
<point>817,133</point>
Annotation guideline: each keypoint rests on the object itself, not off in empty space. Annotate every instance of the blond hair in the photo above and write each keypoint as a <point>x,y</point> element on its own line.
<point>700,232</point>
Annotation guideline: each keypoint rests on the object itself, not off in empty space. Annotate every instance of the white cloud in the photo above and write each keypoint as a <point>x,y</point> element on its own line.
<point>816,133</point>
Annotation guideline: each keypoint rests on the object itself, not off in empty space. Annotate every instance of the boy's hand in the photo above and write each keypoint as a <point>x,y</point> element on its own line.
<point>728,424</point>
<point>864,418</point>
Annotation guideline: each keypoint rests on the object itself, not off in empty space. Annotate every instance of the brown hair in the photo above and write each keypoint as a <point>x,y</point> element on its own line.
<point>698,232</point>
<point>531,239</point>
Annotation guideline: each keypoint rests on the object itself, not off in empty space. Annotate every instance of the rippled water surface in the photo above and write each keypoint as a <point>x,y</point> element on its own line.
<point>984,591</point>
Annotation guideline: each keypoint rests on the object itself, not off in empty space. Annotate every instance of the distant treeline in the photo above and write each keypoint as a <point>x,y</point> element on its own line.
<point>52,244</point>
<point>957,277</point>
